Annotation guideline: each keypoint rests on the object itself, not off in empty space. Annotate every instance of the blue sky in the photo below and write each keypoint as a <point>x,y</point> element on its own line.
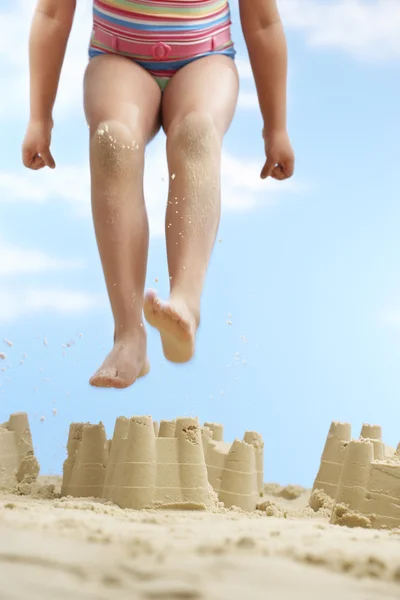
<point>306,271</point>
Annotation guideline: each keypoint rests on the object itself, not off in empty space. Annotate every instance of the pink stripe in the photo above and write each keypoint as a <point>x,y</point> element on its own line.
<point>162,50</point>
<point>137,34</point>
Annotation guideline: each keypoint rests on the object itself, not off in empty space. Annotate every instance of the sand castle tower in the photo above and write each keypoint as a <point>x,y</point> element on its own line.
<point>355,474</point>
<point>85,468</point>
<point>167,429</point>
<point>17,460</point>
<point>235,471</point>
<point>255,439</point>
<point>132,475</point>
<point>369,486</point>
<point>334,453</point>
<point>138,468</point>
<point>374,434</point>
<point>332,458</point>
<point>217,431</point>
<point>361,476</point>
<point>145,470</point>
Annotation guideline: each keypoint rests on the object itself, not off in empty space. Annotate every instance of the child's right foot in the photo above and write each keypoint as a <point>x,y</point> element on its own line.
<point>126,362</point>
<point>176,324</point>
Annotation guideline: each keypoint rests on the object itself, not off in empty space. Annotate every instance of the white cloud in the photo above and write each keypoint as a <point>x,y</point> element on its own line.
<point>18,301</point>
<point>70,183</point>
<point>366,29</point>
<point>26,302</point>
<point>17,261</point>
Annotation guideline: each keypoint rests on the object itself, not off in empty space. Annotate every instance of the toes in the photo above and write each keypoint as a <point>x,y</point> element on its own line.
<point>152,304</point>
<point>151,297</point>
<point>112,377</point>
<point>106,378</point>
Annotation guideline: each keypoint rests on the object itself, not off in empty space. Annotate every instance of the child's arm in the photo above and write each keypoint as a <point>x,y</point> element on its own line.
<point>50,31</point>
<point>49,35</point>
<point>266,44</point>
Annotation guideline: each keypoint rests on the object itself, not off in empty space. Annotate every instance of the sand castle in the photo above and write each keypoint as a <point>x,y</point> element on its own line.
<point>174,463</point>
<point>362,476</point>
<point>17,460</point>
<point>235,471</point>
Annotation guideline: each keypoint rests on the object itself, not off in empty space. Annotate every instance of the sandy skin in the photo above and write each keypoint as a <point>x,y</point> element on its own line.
<point>176,324</point>
<point>126,363</point>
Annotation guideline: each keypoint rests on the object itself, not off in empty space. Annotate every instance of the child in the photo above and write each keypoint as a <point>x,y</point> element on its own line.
<point>155,63</point>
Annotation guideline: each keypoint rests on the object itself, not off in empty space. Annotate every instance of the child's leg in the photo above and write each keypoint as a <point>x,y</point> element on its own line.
<point>198,107</point>
<point>122,105</point>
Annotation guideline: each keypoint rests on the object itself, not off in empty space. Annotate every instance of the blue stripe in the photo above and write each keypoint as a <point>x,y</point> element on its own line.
<point>168,66</point>
<point>175,66</point>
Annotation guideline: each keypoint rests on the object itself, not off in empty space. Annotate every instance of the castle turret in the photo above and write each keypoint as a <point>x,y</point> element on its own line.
<point>353,484</point>
<point>192,466</point>
<point>332,459</point>
<point>239,477</point>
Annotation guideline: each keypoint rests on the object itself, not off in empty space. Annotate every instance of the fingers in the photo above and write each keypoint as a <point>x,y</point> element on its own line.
<point>267,169</point>
<point>27,157</point>
<point>32,161</point>
<point>283,171</point>
<point>278,173</point>
<point>35,161</point>
<point>288,167</point>
<point>48,159</point>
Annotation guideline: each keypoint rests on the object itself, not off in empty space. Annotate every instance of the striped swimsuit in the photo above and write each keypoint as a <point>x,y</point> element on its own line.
<point>161,35</point>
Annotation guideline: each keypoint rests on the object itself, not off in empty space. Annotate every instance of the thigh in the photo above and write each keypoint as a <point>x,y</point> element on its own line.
<point>208,85</point>
<point>117,89</point>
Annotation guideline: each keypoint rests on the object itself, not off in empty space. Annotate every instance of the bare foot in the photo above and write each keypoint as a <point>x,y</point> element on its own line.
<point>126,362</point>
<point>176,324</point>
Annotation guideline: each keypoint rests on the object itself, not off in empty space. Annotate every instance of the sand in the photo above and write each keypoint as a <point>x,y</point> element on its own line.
<point>289,543</point>
<point>90,549</point>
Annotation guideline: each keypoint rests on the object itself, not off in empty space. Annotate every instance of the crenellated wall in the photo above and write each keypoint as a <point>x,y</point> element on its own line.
<point>362,475</point>
<point>139,468</point>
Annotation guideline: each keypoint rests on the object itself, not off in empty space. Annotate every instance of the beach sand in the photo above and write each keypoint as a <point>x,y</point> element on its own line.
<point>67,548</point>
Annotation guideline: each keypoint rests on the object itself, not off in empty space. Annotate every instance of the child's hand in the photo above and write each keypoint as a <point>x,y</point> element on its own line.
<point>280,156</point>
<point>36,146</point>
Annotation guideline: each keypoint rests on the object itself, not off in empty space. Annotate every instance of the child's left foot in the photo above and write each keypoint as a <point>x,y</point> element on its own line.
<point>176,324</point>
<point>126,362</point>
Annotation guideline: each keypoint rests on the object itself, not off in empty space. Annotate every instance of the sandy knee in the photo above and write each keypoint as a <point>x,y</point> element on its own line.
<point>196,135</point>
<point>115,145</point>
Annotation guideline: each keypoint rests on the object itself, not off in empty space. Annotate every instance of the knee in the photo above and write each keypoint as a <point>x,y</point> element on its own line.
<point>115,146</point>
<point>195,135</point>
